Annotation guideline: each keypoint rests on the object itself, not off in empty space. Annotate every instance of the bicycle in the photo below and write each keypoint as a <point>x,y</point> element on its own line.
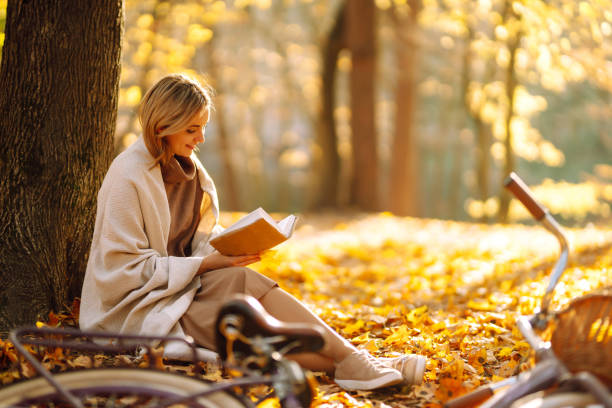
<point>251,344</point>
<point>574,368</point>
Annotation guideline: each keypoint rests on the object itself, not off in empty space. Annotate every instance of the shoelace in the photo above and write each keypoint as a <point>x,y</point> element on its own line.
<point>400,363</point>
<point>373,360</point>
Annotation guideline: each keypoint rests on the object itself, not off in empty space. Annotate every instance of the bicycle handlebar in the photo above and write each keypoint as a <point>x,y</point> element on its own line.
<point>525,196</point>
<point>520,190</point>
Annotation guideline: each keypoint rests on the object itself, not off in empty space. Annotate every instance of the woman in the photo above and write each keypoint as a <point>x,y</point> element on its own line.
<point>151,269</point>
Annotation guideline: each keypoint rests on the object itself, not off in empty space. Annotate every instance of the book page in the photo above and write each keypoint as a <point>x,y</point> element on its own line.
<point>286,225</point>
<point>246,220</point>
<point>268,218</point>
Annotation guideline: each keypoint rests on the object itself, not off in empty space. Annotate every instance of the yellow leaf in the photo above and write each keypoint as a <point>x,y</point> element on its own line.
<point>269,403</point>
<point>495,328</point>
<point>481,305</point>
<point>504,351</point>
<point>415,316</point>
<point>398,337</point>
<point>438,326</point>
<point>81,362</point>
<point>371,346</point>
<point>354,328</point>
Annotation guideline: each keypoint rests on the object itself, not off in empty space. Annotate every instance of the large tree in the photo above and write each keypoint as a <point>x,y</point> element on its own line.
<point>404,176</point>
<point>361,41</point>
<point>511,83</point>
<point>328,163</point>
<point>59,80</point>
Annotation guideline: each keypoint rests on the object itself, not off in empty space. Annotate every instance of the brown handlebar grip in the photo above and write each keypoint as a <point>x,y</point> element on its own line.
<point>470,399</point>
<point>525,196</point>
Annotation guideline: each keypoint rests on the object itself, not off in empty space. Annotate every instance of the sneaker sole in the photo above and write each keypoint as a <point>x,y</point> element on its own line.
<point>384,381</point>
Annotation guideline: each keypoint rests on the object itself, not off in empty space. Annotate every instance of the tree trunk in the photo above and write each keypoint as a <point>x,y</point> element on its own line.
<point>328,168</point>
<point>483,135</point>
<point>511,83</point>
<point>360,25</point>
<point>230,181</point>
<point>59,82</point>
<point>404,188</point>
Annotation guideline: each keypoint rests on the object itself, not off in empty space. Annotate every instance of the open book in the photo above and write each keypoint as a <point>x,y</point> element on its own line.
<point>253,233</point>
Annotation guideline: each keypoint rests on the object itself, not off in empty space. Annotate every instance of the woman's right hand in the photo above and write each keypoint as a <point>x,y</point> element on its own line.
<point>218,261</point>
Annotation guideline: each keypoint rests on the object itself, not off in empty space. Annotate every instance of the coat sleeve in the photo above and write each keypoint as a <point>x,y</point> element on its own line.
<point>128,281</point>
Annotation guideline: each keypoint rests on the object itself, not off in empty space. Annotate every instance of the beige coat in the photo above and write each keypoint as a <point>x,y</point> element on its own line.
<point>131,284</point>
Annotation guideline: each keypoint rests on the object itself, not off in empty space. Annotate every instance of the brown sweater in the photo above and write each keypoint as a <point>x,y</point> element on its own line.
<point>184,198</point>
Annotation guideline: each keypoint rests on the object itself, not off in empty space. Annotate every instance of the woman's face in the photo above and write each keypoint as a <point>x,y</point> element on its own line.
<point>183,142</point>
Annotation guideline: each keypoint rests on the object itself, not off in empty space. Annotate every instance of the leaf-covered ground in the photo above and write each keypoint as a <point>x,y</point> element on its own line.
<point>447,290</point>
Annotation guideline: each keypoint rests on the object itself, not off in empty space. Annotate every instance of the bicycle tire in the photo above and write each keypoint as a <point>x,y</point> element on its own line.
<point>131,381</point>
<point>556,400</point>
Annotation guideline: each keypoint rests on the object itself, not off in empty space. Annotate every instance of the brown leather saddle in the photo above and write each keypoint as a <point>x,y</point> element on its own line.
<point>244,330</point>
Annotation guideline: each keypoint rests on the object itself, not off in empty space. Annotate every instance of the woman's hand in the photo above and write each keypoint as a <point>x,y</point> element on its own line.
<point>217,261</point>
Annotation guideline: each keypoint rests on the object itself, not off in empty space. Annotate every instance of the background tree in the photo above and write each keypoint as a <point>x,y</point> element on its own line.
<point>59,79</point>
<point>328,159</point>
<point>513,22</point>
<point>266,60</point>
<point>482,159</point>
<point>404,191</point>
<point>361,42</point>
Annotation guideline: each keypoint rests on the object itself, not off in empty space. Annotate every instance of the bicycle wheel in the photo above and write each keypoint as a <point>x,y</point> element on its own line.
<point>121,386</point>
<point>557,400</point>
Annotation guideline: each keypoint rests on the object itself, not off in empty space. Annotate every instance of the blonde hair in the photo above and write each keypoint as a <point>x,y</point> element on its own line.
<point>167,108</point>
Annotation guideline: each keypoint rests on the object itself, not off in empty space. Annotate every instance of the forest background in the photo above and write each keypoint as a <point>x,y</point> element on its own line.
<point>462,92</point>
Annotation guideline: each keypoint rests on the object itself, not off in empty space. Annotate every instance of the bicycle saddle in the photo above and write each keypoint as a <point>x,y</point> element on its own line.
<point>244,325</point>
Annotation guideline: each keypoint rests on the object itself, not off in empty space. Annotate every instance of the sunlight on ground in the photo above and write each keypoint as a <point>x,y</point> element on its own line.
<point>445,289</point>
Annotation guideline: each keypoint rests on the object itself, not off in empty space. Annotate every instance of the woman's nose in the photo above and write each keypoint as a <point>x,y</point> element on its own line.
<point>200,136</point>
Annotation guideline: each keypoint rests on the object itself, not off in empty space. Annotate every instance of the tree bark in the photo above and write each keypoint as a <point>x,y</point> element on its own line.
<point>328,168</point>
<point>404,187</point>
<point>59,81</point>
<point>360,26</point>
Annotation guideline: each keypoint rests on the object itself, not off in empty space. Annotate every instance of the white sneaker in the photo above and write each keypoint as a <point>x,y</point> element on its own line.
<point>412,367</point>
<point>362,371</point>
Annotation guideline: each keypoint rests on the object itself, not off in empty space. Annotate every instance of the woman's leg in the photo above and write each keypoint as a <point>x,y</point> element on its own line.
<point>285,307</point>
<point>352,369</point>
